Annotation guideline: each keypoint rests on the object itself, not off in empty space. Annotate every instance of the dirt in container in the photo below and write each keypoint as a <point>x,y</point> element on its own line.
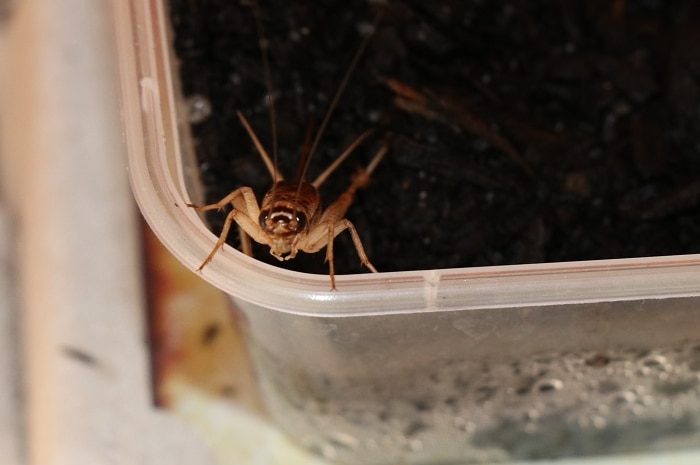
<point>521,132</point>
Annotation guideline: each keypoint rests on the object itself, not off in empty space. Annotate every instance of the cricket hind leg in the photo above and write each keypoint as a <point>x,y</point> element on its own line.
<point>333,223</point>
<point>361,179</point>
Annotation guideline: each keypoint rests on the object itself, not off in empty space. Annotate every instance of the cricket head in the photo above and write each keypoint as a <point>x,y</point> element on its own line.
<point>286,214</point>
<point>282,226</point>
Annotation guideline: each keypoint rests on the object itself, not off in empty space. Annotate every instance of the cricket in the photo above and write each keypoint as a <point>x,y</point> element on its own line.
<point>290,219</point>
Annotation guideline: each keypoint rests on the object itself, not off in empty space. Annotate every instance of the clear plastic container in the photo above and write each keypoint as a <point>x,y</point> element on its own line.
<point>438,366</point>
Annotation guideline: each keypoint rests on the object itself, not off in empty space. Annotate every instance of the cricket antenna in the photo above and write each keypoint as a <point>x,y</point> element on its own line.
<point>264,51</point>
<point>334,103</point>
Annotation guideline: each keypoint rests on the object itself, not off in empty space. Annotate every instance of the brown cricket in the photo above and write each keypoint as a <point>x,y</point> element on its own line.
<point>290,218</point>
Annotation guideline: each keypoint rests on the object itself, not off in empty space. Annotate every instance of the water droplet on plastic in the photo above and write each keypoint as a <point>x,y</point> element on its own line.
<point>639,390</point>
<point>603,409</point>
<point>344,440</point>
<point>638,409</point>
<point>532,414</point>
<point>654,361</point>
<point>414,445</point>
<point>599,422</point>
<point>325,450</point>
<point>198,108</point>
<point>624,397</point>
<point>464,425</point>
<point>550,385</point>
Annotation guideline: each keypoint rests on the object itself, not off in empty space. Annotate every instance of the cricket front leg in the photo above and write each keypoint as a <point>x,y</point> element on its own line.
<point>245,210</point>
<point>247,203</point>
<point>221,241</point>
<point>242,199</point>
<point>248,226</point>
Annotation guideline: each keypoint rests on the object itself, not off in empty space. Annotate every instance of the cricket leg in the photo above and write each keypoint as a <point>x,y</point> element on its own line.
<point>336,211</point>
<point>324,234</point>
<point>245,206</point>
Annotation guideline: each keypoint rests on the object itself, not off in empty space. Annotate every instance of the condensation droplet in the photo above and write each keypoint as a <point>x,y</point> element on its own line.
<point>624,397</point>
<point>550,385</point>
<point>638,409</point>
<point>462,424</point>
<point>414,445</point>
<point>324,449</point>
<point>198,108</point>
<point>344,440</point>
<point>603,409</point>
<point>654,361</point>
<point>639,390</point>
<point>530,427</point>
<point>599,422</point>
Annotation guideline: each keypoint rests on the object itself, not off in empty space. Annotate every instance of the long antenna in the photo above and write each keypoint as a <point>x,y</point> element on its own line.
<point>322,177</point>
<point>264,51</point>
<point>353,64</point>
<point>271,167</point>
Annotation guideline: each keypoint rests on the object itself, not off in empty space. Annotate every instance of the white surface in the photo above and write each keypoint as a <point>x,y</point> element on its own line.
<point>81,279</point>
<point>11,440</point>
<point>11,427</point>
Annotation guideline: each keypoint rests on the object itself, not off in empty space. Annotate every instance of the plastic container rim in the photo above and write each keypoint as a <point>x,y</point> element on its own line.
<point>149,112</point>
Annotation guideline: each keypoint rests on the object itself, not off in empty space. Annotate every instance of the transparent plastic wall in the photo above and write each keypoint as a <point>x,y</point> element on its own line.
<point>437,366</point>
<point>484,384</point>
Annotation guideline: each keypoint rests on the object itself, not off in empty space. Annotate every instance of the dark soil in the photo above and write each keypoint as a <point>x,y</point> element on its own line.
<point>530,131</point>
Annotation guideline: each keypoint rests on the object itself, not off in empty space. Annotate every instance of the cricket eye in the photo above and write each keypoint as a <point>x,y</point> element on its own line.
<point>264,215</point>
<point>301,221</point>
